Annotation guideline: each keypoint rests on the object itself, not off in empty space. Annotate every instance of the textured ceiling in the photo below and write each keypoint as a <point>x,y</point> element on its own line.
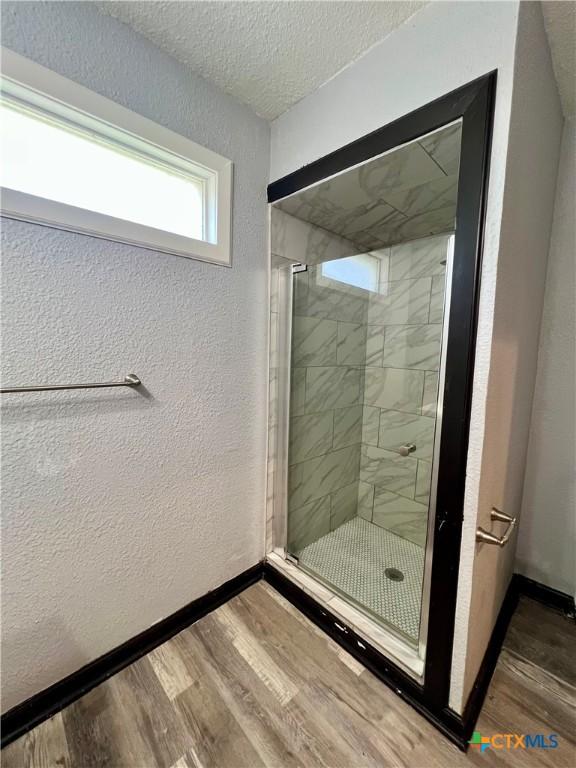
<point>406,194</point>
<point>268,55</point>
<point>560,22</point>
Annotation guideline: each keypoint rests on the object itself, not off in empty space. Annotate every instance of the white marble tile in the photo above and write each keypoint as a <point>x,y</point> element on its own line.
<point>430,396</point>
<point>310,435</point>
<point>399,390</point>
<point>313,341</point>
<point>289,236</point>
<point>273,349</point>
<point>398,429</point>
<point>437,299</point>
<point>344,505</point>
<point>444,147</point>
<point>347,426</point>
<point>398,170</point>
<point>378,236</point>
<point>369,220</point>
<point>334,203</point>
<point>370,424</point>
<point>273,395</point>
<point>336,301</point>
<point>423,480</point>
<point>280,263</point>
<point>278,224</point>
<point>439,193</point>
<point>297,391</point>
<point>308,523</point>
<point>387,469</point>
<point>425,224</point>
<point>323,245</point>
<point>400,302</point>
<point>402,195</point>
<point>419,258</point>
<point>402,516</point>
<point>351,345</point>
<point>374,345</point>
<point>271,468</point>
<point>300,241</point>
<point>315,478</point>
<point>365,500</point>
<point>383,256</point>
<point>332,387</point>
<point>355,204</point>
<point>272,441</point>
<point>412,346</point>
<point>273,289</point>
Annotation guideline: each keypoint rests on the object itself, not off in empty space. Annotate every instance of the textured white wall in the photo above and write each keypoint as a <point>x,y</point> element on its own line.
<point>547,538</point>
<point>119,507</point>
<point>441,47</point>
<point>533,151</point>
<point>438,49</point>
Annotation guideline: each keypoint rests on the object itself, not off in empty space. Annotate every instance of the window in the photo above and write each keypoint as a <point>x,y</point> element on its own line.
<point>362,270</point>
<point>74,160</point>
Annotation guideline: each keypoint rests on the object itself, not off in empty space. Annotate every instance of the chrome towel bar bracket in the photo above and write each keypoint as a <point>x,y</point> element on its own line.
<point>489,538</point>
<point>130,380</point>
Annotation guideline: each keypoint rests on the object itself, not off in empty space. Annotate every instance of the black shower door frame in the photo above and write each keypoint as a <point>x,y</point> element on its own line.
<point>474,105</point>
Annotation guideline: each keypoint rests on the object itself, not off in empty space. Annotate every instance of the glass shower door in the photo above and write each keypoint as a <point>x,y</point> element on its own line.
<point>363,340</point>
<point>365,356</point>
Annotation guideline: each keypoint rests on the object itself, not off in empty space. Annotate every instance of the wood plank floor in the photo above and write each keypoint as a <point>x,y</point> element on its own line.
<point>256,684</point>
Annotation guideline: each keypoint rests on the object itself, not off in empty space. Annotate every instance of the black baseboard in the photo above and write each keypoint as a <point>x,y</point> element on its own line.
<point>549,596</point>
<point>480,688</point>
<point>48,702</point>
<point>23,717</point>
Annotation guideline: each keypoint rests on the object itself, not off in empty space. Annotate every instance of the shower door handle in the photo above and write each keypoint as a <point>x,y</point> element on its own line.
<point>406,450</point>
<point>489,538</point>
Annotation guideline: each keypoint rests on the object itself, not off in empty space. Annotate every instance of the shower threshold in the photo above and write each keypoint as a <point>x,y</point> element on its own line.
<point>390,644</point>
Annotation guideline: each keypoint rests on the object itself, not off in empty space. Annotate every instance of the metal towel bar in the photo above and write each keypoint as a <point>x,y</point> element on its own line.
<point>130,380</point>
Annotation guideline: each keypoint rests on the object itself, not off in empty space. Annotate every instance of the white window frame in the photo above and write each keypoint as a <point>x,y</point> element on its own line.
<point>42,90</point>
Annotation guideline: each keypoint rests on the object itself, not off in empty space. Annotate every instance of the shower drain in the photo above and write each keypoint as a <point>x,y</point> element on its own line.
<point>394,574</point>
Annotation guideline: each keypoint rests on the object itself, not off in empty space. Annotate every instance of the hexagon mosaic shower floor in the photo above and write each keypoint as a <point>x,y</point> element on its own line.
<point>353,559</point>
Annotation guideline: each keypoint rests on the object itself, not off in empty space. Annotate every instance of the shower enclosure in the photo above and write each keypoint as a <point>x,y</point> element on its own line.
<point>360,267</point>
<point>375,264</point>
<point>375,283</point>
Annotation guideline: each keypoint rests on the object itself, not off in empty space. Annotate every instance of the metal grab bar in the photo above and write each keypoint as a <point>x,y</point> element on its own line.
<point>130,380</point>
<point>489,538</point>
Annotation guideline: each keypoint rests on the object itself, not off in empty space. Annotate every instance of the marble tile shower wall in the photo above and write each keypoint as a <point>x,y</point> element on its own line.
<point>403,341</point>
<point>364,382</point>
<point>328,360</point>
<point>293,240</point>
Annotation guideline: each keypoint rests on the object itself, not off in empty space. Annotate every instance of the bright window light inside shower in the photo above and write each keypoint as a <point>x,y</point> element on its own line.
<point>362,270</point>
